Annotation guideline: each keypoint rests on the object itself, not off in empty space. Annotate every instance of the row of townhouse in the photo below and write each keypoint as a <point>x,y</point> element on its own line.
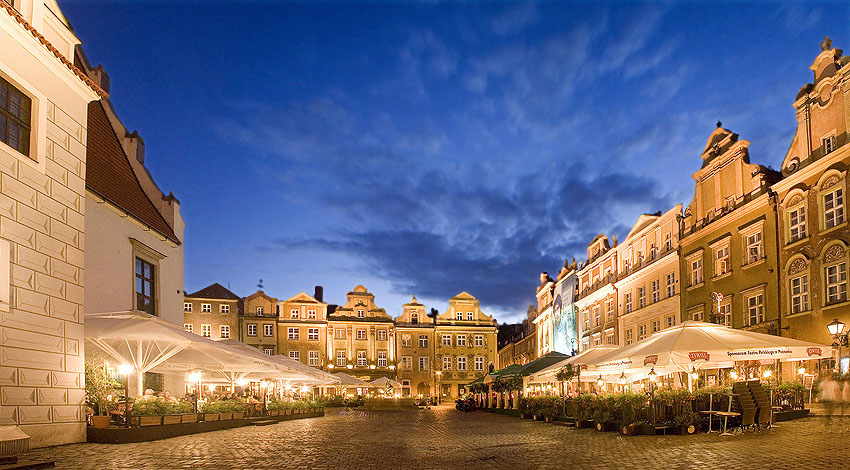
<point>425,352</point>
<point>84,229</point>
<point>756,248</point>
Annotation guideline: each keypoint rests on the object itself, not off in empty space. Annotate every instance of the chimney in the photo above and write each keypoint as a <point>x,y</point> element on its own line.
<point>100,77</point>
<point>135,146</point>
<point>319,293</point>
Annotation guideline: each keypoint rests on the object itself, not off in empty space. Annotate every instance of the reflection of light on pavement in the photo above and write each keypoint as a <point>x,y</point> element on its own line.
<point>845,364</point>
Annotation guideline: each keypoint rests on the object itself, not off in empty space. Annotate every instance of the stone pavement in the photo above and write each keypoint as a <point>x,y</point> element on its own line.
<point>445,438</point>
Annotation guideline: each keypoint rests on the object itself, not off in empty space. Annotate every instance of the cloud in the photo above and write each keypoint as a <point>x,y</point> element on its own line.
<point>516,19</point>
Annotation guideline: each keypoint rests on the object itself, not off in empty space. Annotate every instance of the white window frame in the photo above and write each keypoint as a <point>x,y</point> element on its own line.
<point>188,327</point>
<point>382,359</point>
<point>460,340</point>
<point>423,364</point>
<point>458,315</point>
<point>382,334</point>
<point>252,329</point>
<point>268,330</point>
<point>206,308</point>
<point>461,363</point>
<point>406,341</point>
<point>406,363</point>
<point>362,360</point>
<point>423,341</point>
<point>224,331</point>
<point>260,311</point>
<point>797,229</point>
<point>726,313</point>
<point>833,216</point>
<point>835,282</point>
<point>269,351</point>
<point>311,314</point>
<point>829,144</point>
<point>361,334</point>
<point>446,340</point>
<point>696,270</point>
<point>798,288</point>
<point>312,334</point>
<point>187,306</point>
<point>479,340</point>
<point>641,296</point>
<point>313,358</point>
<point>294,314</point>
<point>671,284</point>
<point>722,259</point>
<point>479,363</point>
<point>447,363</point>
<point>641,332</point>
<point>295,355</point>
<point>629,336</point>
<point>341,358</point>
<point>293,332</point>
<point>755,308</point>
<point>656,290</point>
<point>206,330</point>
<point>470,316</point>
<point>627,300</point>
<point>753,246</point>
<point>224,308</point>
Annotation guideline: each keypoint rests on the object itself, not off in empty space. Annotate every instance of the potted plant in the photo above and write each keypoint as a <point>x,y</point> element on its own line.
<point>99,389</point>
<point>634,413</point>
<point>585,407</point>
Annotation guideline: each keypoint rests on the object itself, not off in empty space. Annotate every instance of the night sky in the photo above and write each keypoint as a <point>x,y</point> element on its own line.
<point>433,148</point>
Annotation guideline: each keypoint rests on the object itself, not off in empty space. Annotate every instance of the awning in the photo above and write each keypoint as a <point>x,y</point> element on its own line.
<point>347,381</point>
<point>384,382</point>
<point>585,358</point>
<point>699,345</point>
<point>311,375</point>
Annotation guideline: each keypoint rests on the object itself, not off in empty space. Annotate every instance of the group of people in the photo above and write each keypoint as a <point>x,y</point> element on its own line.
<point>166,395</point>
<point>835,396</point>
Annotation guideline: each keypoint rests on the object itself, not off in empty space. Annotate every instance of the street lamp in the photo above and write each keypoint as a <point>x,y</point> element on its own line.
<point>733,374</point>
<point>652,375</point>
<point>331,366</point>
<point>439,392</point>
<point>125,369</point>
<point>600,382</point>
<point>836,327</point>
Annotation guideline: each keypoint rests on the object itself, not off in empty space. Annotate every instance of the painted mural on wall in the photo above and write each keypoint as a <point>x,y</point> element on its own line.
<point>564,318</point>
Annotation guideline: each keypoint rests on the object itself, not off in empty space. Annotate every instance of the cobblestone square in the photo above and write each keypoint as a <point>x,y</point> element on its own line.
<point>443,438</point>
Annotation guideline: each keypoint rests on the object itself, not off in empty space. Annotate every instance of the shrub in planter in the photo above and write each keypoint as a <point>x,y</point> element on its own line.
<point>99,393</point>
<point>158,406</point>
<point>686,419</point>
<point>585,407</point>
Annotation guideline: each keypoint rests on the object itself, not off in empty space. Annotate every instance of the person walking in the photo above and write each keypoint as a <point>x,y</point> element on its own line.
<point>830,393</point>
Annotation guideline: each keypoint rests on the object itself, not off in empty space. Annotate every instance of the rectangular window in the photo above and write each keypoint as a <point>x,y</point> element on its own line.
<point>458,315</point>
<point>206,330</point>
<point>252,329</point>
<point>188,327</point>
<point>382,359</point>
<point>224,308</point>
<point>755,250</point>
<point>311,314</point>
<point>836,283</point>
<point>641,296</point>
<point>597,317</point>
<point>15,126</point>
<point>800,294</point>
<point>268,330</point>
<point>206,308</point>
<point>755,309</point>
<point>828,144</point>
<point>447,340</point>
<point>447,363</point>
<point>313,334</point>
<point>671,320</point>
<point>833,208</point>
<point>361,359</point>
<point>260,311</point>
<point>361,314</point>
<point>269,351</point>
<point>668,241</point>
<point>628,302</point>
<point>461,340</point>
<point>423,364</point>
<point>224,331</point>
<point>339,333</point>
<point>145,284</point>
<point>656,325</point>
<point>294,314</point>
<point>721,261</point>
<point>414,318</point>
<point>610,310</point>
<point>671,284</point>
<point>461,363</point>
<point>406,341</point>
<point>340,358</point>
<point>726,314</point>
<point>696,272</point>
<point>479,363</point>
<point>361,334</point>
<point>187,307</point>
<point>291,333</point>
<point>313,358</point>
<point>479,340</point>
<point>382,335</point>
<point>656,290</point>
<point>629,336</point>
<point>406,363</point>
<point>609,338</point>
<point>697,315</point>
<point>295,355</point>
<point>641,332</point>
<point>423,341</point>
<point>469,316</point>
<point>797,223</point>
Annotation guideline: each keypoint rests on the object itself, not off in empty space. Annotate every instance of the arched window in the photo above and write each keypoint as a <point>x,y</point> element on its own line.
<point>798,285</point>
<point>832,195</point>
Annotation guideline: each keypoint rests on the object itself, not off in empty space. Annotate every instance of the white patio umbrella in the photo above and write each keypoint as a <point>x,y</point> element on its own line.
<point>384,382</point>
<point>308,375</point>
<point>347,381</point>
<point>149,343</point>
<point>583,359</point>
<point>694,345</point>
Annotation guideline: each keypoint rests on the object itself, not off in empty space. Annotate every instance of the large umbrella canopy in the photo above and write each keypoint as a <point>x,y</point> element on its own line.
<point>383,382</point>
<point>348,381</point>
<point>149,343</point>
<point>694,345</point>
<point>308,375</point>
<point>585,358</point>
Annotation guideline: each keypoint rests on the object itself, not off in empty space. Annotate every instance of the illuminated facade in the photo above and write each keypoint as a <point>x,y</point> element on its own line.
<point>415,350</point>
<point>302,329</point>
<point>564,324</point>
<point>596,300</point>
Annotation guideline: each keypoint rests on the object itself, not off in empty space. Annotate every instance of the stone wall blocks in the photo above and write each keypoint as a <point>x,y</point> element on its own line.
<point>74,256</point>
<point>69,125</point>
<point>13,396</point>
<point>76,396</point>
<point>8,207</point>
<point>32,322</point>
<point>8,164</point>
<point>58,135</point>
<point>75,183</point>
<point>49,285</point>
<point>66,196</point>
<point>31,301</point>
<point>15,357</point>
<point>28,340</point>
<point>74,293</point>
<point>72,347</point>
<point>52,396</point>
<point>32,259</point>
<point>65,271</point>
<point>75,220</point>
<point>50,246</point>
<point>75,363</point>
<point>16,232</point>
<point>64,233</point>
<point>34,178</point>
<point>8,415</point>
<point>67,160</point>
<point>34,414</point>
<point>11,187</point>
<point>56,171</point>
<point>34,378</point>
<point>67,379</point>
<point>68,413</point>
<point>22,277</point>
<point>8,376</point>
<point>64,310</point>
<point>51,207</point>
<point>33,218</point>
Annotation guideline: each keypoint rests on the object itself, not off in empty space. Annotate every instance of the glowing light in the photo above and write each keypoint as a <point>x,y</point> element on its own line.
<point>600,382</point>
<point>623,378</point>
<point>242,382</point>
<point>767,373</point>
<point>801,371</point>
<point>125,369</point>
<point>652,375</point>
<point>372,366</point>
<point>392,367</point>
<point>330,366</point>
<point>733,374</point>
<point>305,389</point>
<point>194,377</point>
<point>349,366</point>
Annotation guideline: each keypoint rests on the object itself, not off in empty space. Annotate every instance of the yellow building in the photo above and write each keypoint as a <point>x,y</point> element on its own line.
<point>361,338</point>
<point>728,239</point>
<point>813,230</point>
<point>302,329</point>
<point>259,322</point>
<point>648,281</point>
<point>465,345</point>
<point>596,299</point>
<point>415,350</point>
<point>213,312</point>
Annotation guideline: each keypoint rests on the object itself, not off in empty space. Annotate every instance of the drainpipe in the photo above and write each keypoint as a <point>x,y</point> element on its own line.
<point>774,198</point>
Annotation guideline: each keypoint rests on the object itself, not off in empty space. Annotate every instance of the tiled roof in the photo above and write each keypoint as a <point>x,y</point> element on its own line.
<point>215,291</point>
<point>40,38</point>
<point>109,174</point>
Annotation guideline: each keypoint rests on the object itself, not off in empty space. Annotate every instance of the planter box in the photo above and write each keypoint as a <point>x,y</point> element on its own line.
<point>189,418</point>
<point>525,415</point>
<point>685,430</point>
<point>631,429</point>
<point>274,412</point>
<point>585,424</point>
<point>172,419</point>
<point>150,420</point>
<point>647,429</point>
<point>607,427</point>
<point>211,417</point>
<point>789,415</point>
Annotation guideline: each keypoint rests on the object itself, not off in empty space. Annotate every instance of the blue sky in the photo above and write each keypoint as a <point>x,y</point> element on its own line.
<point>432,148</point>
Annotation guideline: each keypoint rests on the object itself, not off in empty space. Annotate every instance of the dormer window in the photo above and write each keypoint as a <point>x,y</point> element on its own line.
<point>361,313</point>
<point>414,318</point>
<point>259,311</point>
<point>829,144</point>
<point>458,315</point>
